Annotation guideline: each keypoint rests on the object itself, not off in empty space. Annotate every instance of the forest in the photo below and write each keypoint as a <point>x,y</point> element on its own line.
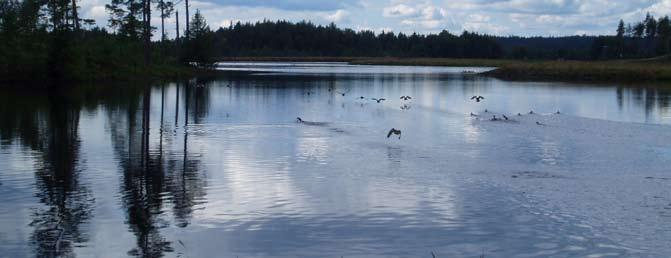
<point>47,40</point>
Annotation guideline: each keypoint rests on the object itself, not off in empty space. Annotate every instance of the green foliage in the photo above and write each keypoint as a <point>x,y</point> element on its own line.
<point>282,38</point>
<point>126,17</point>
<point>200,44</point>
<point>651,37</point>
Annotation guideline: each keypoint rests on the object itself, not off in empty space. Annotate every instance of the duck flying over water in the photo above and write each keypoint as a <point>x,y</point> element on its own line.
<point>342,92</point>
<point>477,98</point>
<point>406,97</point>
<point>379,100</point>
<point>504,117</point>
<point>394,131</point>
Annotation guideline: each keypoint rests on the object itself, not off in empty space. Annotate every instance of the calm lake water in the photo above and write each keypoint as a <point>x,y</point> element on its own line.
<point>220,167</point>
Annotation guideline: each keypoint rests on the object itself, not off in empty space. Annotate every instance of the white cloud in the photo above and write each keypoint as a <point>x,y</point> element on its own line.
<point>400,10</point>
<point>519,17</point>
<point>338,15</point>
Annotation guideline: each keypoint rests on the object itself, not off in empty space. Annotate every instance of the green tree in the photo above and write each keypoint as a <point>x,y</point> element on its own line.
<point>620,29</point>
<point>200,41</point>
<point>620,38</point>
<point>639,29</point>
<point>663,35</point>
<point>166,8</point>
<point>650,26</point>
<point>126,17</point>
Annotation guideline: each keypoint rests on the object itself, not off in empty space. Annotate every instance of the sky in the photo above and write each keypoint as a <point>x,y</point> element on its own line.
<point>497,17</point>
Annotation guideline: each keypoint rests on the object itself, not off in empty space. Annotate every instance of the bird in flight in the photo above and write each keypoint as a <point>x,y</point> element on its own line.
<point>362,97</point>
<point>477,98</point>
<point>394,131</point>
<point>379,100</point>
<point>342,92</point>
<point>504,117</point>
<point>406,97</point>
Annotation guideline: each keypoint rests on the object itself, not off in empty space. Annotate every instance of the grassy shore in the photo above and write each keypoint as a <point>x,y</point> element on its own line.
<point>598,71</point>
<point>654,69</point>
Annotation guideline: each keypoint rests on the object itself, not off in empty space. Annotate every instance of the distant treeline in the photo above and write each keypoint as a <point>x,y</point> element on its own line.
<point>648,38</point>
<point>282,38</point>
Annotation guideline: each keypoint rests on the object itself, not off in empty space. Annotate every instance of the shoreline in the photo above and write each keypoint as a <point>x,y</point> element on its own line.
<point>627,71</point>
<point>633,70</point>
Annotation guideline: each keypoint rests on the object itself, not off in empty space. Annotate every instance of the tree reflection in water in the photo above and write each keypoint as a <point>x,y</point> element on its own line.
<point>148,177</point>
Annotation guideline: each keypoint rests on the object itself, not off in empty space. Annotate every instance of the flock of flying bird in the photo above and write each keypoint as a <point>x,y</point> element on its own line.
<point>394,131</point>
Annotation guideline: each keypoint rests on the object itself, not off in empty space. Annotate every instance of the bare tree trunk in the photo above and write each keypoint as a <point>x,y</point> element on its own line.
<point>147,32</point>
<point>177,38</point>
<point>75,18</point>
<point>162,21</point>
<point>187,21</point>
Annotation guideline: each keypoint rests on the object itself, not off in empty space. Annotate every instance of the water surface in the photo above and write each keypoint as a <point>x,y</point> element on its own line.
<point>219,167</point>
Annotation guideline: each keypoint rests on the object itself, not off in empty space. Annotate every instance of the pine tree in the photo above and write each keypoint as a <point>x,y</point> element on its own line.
<point>620,29</point>
<point>166,8</point>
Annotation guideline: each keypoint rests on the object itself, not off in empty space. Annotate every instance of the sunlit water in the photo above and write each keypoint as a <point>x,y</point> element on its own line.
<point>221,168</point>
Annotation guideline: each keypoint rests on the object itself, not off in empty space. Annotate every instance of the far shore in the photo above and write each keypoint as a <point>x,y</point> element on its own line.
<point>656,69</point>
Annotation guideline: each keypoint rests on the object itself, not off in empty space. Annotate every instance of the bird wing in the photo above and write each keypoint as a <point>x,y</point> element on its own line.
<point>390,132</point>
<point>383,99</point>
<point>409,97</point>
<point>481,97</point>
<point>474,97</point>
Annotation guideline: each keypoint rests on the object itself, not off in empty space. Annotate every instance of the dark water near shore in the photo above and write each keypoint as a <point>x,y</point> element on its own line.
<point>219,167</point>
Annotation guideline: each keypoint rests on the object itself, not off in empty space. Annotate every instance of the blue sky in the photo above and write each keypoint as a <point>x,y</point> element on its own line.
<point>499,17</point>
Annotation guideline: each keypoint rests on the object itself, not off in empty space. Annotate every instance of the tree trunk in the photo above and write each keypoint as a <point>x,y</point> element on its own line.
<point>177,20</point>
<point>147,32</point>
<point>75,18</point>
<point>187,20</point>
<point>162,21</point>
<point>177,37</point>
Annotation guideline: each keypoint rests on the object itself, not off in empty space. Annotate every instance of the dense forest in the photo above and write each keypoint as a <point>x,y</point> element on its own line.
<point>48,40</point>
<point>284,38</point>
<point>267,38</point>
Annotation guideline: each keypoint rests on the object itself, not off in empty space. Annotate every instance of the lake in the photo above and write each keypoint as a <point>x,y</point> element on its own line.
<point>220,167</point>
